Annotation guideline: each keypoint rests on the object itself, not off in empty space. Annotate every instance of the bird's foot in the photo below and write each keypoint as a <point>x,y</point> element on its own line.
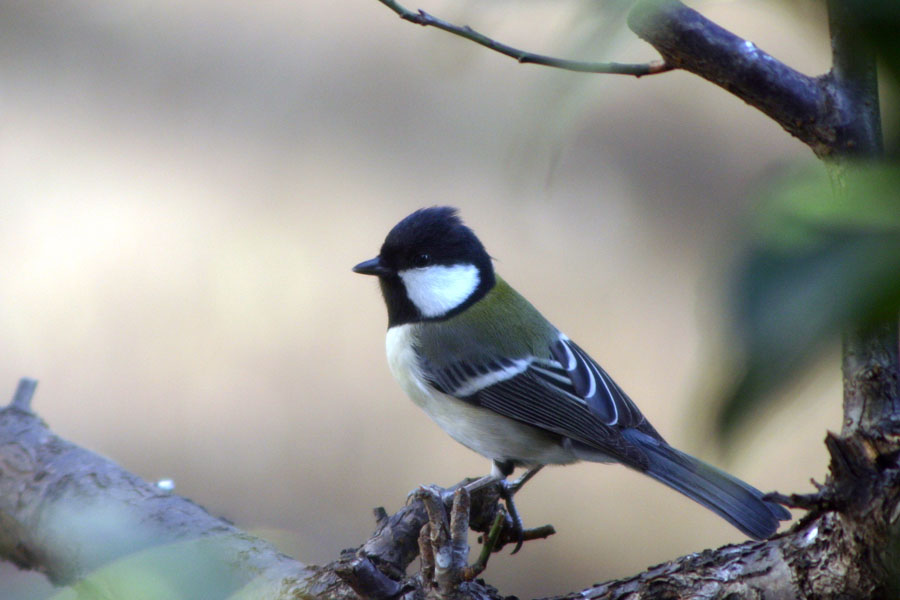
<point>516,485</point>
<point>500,526</point>
<point>507,527</point>
<point>507,491</point>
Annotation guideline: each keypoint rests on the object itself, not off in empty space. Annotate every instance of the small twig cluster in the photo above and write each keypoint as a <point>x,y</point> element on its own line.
<point>434,525</point>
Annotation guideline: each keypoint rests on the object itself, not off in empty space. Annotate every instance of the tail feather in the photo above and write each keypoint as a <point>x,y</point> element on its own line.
<point>735,501</point>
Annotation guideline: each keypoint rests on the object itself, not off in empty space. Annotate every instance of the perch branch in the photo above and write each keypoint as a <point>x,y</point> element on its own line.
<point>421,17</point>
<point>58,501</point>
<point>67,512</point>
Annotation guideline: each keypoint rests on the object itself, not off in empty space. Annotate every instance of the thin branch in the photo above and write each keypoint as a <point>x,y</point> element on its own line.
<point>421,17</point>
<point>488,545</point>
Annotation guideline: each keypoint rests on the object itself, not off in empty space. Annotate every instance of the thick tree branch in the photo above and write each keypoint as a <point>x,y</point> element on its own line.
<point>871,370</point>
<point>842,553</point>
<point>68,512</point>
<point>801,104</point>
<point>81,519</point>
<point>823,112</point>
<point>855,84</point>
<point>73,515</point>
<point>423,18</point>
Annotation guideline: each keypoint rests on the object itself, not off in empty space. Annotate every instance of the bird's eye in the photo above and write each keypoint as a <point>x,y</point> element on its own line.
<point>421,260</point>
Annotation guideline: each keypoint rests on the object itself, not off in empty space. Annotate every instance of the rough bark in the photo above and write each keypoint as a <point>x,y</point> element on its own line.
<point>72,514</point>
<point>835,114</point>
<point>68,512</point>
<point>687,40</point>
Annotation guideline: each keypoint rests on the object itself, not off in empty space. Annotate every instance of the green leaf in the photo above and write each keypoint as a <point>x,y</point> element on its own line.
<point>827,257</point>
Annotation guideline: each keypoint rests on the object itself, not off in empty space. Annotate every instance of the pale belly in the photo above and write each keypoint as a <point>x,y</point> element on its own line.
<point>482,430</point>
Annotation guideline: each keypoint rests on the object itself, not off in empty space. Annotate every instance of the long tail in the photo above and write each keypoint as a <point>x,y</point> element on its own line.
<point>735,501</point>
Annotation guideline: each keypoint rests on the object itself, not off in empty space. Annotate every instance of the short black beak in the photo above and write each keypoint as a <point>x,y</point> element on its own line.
<point>372,267</point>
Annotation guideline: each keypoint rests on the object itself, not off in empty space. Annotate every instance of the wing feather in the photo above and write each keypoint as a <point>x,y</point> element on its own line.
<point>595,387</point>
<point>566,393</point>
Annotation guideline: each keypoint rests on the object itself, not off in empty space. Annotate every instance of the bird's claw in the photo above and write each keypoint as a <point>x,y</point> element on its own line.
<point>507,490</point>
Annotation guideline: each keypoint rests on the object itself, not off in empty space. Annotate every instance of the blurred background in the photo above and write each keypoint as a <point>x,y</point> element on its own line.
<point>184,187</point>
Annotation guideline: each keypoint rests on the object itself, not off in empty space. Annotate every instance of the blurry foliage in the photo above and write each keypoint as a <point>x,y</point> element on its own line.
<point>198,568</point>
<point>826,257</point>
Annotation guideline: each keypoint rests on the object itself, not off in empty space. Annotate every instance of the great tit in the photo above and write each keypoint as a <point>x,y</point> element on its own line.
<point>492,372</point>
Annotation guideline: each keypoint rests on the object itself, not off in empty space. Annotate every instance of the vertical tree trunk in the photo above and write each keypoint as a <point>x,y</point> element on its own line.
<point>871,367</point>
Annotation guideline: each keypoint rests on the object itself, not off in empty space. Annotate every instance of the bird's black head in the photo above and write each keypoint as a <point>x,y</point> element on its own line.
<point>431,266</point>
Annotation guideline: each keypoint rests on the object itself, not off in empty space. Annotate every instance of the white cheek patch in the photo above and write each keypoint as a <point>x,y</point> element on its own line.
<point>438,289</point>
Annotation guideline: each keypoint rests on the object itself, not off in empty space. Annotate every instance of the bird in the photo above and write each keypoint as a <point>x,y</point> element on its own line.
<point>500,379</point>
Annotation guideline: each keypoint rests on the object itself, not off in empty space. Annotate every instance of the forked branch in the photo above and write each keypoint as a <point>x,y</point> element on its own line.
<point>806,106</point>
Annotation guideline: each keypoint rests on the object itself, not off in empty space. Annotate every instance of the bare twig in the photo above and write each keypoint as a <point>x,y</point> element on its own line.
<point>535,533</point>
<point>488,544</point>
<point>445,549</point>
<point>426,552</point>
<point>363,576</point>
<point>421,17</point>
<point>24,394</point>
